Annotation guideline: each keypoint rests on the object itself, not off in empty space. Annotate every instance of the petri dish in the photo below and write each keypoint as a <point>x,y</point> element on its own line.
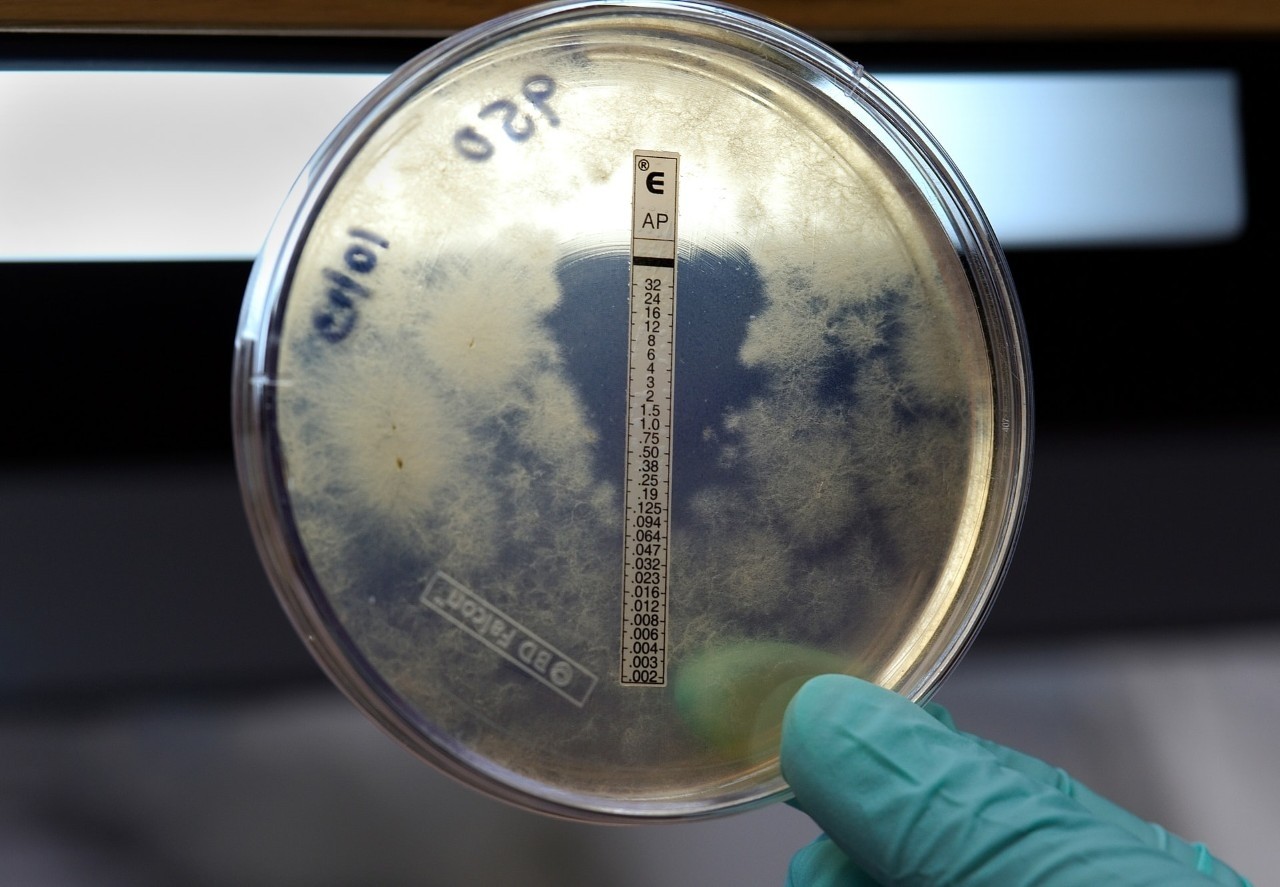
<point>612,368</point>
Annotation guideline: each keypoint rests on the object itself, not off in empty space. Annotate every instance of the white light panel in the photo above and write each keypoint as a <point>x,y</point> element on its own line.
<point>115,165</point>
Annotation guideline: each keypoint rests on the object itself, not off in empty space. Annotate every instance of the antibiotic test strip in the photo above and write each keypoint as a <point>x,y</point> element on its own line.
<point>650,379</point>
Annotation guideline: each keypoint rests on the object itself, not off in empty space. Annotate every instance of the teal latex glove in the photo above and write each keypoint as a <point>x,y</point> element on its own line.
<point>906,799</point>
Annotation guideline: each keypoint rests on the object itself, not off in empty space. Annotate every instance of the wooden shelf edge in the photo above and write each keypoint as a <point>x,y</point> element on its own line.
<point>884,18</point>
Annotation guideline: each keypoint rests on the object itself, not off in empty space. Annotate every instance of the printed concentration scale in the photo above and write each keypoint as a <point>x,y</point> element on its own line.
<point>613,368</point>
<point>651,363</point>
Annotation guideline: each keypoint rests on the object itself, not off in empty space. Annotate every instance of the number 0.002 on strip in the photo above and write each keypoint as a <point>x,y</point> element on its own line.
<point>650,377</point>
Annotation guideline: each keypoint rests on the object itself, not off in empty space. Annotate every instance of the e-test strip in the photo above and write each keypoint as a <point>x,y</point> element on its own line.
<point>650,381</point>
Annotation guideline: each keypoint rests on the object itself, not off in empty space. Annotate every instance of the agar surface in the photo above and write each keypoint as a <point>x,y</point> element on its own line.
<point>469,420</point>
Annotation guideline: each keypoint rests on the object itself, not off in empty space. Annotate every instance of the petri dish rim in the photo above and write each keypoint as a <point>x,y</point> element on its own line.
<point>261,465</point>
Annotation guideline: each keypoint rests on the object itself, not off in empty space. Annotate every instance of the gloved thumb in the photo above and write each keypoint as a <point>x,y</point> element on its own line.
<point>909,800</point>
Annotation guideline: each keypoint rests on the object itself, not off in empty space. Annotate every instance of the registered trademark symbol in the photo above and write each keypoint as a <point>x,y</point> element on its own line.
<point>643,164</point>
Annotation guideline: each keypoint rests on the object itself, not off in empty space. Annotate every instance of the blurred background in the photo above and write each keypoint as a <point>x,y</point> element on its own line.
<point>160,722</point>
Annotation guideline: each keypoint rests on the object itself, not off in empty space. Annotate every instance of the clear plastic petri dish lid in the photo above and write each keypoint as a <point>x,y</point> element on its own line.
<point>613,368</point>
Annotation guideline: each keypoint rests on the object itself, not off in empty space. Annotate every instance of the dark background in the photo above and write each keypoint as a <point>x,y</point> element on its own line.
<point>125,561</point>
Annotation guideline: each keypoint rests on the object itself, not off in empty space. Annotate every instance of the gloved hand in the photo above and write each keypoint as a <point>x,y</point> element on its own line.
<point>905,798</point>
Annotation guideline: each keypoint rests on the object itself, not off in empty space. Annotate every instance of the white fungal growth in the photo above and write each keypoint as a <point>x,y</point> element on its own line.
<point>439,414</point>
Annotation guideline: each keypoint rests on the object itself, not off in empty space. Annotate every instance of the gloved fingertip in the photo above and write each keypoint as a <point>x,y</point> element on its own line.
<point>862,761</point>
<point>826,697</point>
<point>941,715</point>
<point>823,864</point>
<point>821,712</point>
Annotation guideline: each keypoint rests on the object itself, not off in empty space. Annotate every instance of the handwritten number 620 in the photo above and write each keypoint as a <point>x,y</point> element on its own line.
<point>518,126</point>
